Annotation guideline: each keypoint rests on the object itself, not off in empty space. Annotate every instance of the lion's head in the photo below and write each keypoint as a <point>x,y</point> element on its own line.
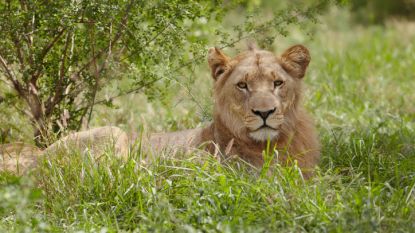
<point>256,93</point>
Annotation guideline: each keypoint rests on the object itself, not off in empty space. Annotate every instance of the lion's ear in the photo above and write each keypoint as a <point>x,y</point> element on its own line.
<point>217,62</point>
<point>295,60</point>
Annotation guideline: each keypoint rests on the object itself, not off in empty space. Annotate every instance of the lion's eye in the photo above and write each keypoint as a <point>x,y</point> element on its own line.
<point>278,83</point>
<point>242,85</point>
<point>219,71</point>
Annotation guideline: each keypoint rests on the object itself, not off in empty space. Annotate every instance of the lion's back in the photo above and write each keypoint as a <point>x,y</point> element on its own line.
<point>18,157</point>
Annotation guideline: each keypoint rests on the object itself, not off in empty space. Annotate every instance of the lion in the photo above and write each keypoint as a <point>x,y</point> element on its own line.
<point>257,101</point>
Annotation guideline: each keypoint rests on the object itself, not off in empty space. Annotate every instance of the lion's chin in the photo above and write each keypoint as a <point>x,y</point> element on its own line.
<point>264,134</point>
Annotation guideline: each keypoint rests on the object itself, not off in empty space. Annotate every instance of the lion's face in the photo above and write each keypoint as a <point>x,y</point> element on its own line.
<point>255,91</point>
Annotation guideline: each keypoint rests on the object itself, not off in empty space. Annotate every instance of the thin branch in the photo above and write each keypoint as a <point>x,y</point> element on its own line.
<point>64,57</point>
<point>58,95</point>
<point>9,73</point>
<point>23,111</point>
<point>19,53</point>
<point>11,77</point>
<point>131,91</point>
<point>94,58</point>
<point>96,75</point>
<point>76,89</point>
<point>147,42</point>
<point>52,43</point>
<point>28,38</point>
<point>44,52</point>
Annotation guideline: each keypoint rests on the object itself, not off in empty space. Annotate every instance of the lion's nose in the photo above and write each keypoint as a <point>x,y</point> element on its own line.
<point>263,114</point>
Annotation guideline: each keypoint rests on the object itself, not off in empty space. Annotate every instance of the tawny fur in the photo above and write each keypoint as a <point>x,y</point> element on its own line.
<point>236,128</point>
<point>18,157</point>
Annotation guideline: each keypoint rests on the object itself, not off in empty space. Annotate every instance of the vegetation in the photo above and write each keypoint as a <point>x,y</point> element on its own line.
<point>56,57</point>
<point>359,89</point>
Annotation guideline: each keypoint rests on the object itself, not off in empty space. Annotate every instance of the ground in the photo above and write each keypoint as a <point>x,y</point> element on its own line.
<point>359,88</point>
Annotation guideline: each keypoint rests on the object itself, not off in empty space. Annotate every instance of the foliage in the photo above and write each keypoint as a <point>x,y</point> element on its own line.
<point>21,203</point>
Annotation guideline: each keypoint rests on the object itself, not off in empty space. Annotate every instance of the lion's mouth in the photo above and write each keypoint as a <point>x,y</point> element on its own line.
<point>264,133</point>
<point>265,126</point>
<point>265,130</point>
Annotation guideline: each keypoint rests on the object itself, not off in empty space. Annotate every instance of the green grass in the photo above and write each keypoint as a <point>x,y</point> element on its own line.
<point>359,89</point>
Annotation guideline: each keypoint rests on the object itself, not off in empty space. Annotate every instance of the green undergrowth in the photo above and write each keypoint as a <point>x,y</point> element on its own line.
<point>366,183</point>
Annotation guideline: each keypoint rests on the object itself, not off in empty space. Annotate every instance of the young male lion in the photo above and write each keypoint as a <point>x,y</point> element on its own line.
<point>257,99</point>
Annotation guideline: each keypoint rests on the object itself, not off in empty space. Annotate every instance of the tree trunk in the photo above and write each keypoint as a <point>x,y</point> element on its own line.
<point>38,120</point>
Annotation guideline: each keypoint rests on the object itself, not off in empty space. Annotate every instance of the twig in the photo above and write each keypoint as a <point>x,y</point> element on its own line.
<point>19,53</point>
<point>11,77</point>
<point>96,75</point>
